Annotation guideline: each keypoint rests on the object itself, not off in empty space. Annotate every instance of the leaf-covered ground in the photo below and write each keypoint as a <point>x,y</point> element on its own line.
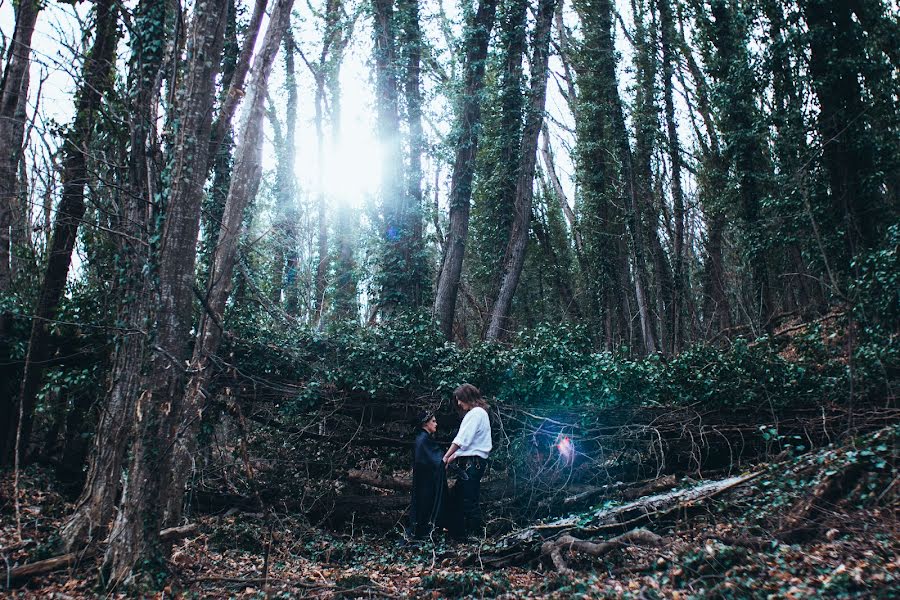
<point>822,524</point>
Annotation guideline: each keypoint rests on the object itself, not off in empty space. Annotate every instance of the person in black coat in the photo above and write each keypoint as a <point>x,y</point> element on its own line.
<point>429,480</point>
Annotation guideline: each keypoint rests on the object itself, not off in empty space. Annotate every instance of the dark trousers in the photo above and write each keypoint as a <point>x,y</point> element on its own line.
<point>467,493</point>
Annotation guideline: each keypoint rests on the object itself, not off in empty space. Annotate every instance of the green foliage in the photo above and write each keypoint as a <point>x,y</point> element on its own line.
<point>555,365</point>
<point>876,290</point>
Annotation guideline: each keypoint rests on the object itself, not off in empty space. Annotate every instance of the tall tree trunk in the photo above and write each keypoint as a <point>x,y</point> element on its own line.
<point>96,82</point>
<point>745,150</point>
<point>499,162</point>
<point>287,214</point>
<point>393,272</point>
<point>667,35</point>
<point>13,92</point>
<point>411,44</point>
<point>834,65</point>
<point>344,301</point>
<point>134,546</point>
<point>321,201</point>
<point>94,509</point>
<point>220,154</point>
<point>13,89</point>
<point>244,186</point>
<point>514,258</point>
<point>636,245</point>
<point>478,33</point>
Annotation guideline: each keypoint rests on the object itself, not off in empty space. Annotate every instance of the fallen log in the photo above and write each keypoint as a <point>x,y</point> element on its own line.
<point>522,546</point>
<point>555,549</point>
<point>48,565</point>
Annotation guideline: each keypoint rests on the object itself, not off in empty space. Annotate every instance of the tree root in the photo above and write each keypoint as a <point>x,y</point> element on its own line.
<point>555,549</point>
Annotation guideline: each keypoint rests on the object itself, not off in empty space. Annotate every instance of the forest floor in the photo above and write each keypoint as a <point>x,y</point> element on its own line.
<point>820,524</point>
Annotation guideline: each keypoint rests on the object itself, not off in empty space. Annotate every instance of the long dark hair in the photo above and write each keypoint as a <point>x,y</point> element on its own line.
<point>469,394</point>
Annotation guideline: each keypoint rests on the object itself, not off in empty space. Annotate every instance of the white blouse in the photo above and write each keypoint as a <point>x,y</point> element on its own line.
<point>474,437</point>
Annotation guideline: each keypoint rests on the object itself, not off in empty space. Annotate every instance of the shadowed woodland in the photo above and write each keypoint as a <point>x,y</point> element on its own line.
<point>244,243</point>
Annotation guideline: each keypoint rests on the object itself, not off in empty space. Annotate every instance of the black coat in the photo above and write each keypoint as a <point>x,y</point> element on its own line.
<point>429,491</point>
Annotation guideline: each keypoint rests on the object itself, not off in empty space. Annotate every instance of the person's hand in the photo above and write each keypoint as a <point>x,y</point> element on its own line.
<point>450,459</point>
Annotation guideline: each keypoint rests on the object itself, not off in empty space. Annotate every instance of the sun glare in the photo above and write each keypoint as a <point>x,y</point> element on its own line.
<point>352,169</point>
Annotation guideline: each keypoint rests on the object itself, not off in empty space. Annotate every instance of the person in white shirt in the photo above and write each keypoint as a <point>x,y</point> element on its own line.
<point>471,447</point>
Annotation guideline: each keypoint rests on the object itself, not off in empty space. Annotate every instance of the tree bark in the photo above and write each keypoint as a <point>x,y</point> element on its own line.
<point>97,80</point>
<point>393,272</point>
<point>222,124</point>
<point>411,44</point>
<point>477,37</point>
<point>514,258</point>
<point>744,144</point>
<point>135,548</point>
<point>344,301</point>
<point>94,509</point>
<point>843,123</point>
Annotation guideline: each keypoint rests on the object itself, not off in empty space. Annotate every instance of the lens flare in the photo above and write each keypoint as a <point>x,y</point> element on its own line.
<point>566,450</point>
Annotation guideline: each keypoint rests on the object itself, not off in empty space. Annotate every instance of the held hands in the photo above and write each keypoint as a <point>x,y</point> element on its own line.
<point>449,459</point>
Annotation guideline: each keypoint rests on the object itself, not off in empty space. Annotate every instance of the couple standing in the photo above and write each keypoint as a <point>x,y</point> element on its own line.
<point>433,505</point>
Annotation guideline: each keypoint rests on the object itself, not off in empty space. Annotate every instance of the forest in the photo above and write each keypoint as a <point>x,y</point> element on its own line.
<point>248,248</point>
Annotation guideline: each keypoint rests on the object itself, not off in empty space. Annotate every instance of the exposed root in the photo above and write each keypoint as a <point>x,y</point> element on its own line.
<point>555,549</point>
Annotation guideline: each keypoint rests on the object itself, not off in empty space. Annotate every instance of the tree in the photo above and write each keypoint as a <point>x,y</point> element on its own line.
<point>134,546</point>
<point>244,186</point>
<point>94,509</point>
<point>97,81</point>
<point>13,96</point>
<point>742,130</point>
<point>478,33</point>
<point>514,258</point>
<point>680,300</point>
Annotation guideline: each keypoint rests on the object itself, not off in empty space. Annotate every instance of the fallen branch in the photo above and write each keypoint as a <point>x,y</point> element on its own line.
<point>63,561</point>
<point>555,549</point>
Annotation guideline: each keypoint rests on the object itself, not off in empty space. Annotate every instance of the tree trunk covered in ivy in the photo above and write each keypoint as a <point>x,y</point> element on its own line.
<point>410,38</point>
<point>500,143</point>
<point>394,269</point>
<point>286,260</point>
<point>97,80</point>
<point>836,63</point>
<point>478,32</point>
<point>94,509</point>
<point>603,168</point>
<point>514,257</point>
<point>134,546</point>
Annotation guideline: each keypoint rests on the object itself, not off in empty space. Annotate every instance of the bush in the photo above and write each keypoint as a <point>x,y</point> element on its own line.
<point>554,365</point>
